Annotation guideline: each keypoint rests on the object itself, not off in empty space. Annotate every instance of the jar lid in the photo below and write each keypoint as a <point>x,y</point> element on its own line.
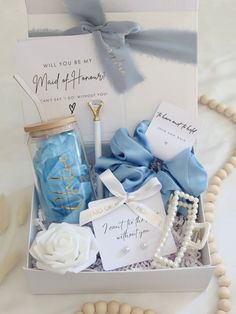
<point>49,125</point>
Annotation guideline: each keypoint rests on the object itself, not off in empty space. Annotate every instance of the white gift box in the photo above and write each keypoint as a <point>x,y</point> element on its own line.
<point>160,280</point>
<point>164,81</point>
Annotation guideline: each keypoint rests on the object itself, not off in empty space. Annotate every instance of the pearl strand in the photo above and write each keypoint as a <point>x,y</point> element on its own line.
<point>224,304</point>
<point>192,209</point>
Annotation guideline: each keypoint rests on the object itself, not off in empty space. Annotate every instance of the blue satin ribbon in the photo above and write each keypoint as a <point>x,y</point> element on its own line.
<point>63,178</point>
<point>114,40</point>
<point>133,164</point>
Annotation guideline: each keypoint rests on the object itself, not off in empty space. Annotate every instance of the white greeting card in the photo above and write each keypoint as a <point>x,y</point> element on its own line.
<point>171,130</point>
<point>124,238</point>
<point>65,73</point>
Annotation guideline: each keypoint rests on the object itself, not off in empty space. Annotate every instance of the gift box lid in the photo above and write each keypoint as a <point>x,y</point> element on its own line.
<point>58,6</point>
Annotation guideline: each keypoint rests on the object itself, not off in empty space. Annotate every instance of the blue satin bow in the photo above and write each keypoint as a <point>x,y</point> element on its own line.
<point>113,40</point>
<point>133,164</point>
<point>110,39</point>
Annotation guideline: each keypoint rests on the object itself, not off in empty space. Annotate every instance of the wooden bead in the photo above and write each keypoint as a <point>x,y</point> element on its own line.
<point>213,189</point>
<point>224,293</point>
<point>224,305</point>
<point>224,281</point>
<point>209,205</point>
<point>212,104</point>
<point>113,307</point>
<point>233,161</point>
<point>233,118</point>
<point>216,180</point>
<point>137,310</point>
<point>228,112</point>
<point>203,100</point>
<point>88,308</point>
<point>211,237</point>
<point>219,270</point>
<point>216,259</point>
<point>228,167</point>
<point>125,308</point>
<point>208,208</point>
<point>221,174</point>
<point>209,217</point>
<point>234,153</point>
<point>149,312</point>
<point>220,108</point>
<point>210,197</point>
<point>101,307</point>
<point>213,248</point>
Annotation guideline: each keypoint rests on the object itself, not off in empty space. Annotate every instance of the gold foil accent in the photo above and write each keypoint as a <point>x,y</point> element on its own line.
<point>61,178</point>
<point>59,198</point>
<point>68,190</point>
<point>74,208</point>
<point>95,108</point>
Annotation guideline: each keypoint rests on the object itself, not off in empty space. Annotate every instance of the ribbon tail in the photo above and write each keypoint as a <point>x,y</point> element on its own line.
<point>77,30</point>
<point>143,211</point>
<point>44,32</point>
<point>100,208</point>
<point>175,45</point>
<point>120,68</point>
<point>87,10</point>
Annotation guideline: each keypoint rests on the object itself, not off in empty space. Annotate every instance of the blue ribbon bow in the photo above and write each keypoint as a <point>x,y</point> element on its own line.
<point>113,40</point>
<point>133,164</point>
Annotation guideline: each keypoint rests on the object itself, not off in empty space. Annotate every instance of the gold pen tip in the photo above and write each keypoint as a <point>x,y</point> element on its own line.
<point>95,106</point>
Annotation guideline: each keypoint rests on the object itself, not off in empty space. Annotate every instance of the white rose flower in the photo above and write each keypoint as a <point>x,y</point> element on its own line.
<point>64,248</point>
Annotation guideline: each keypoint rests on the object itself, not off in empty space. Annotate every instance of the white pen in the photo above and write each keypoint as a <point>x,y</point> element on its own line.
<point>95,106</point>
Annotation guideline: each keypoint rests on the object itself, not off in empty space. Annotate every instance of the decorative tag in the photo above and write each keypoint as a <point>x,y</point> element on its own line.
<point>124,238</point>
<point>171,130</point>
<point>65,73</point>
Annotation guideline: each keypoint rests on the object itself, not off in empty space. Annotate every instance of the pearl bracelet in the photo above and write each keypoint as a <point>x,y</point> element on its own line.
<point>192,209</point>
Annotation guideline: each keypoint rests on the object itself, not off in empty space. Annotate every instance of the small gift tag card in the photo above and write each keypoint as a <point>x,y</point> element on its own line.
<point>124,238</point>
<point>171,130</point>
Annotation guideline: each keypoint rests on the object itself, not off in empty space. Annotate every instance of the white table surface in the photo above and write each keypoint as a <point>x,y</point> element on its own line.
<point>217,78</point>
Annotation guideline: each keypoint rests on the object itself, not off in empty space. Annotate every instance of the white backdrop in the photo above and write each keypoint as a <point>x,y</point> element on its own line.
<point>217,78</point>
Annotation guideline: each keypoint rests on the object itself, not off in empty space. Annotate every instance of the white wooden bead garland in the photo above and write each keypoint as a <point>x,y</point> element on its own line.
<point>112,307</point>
<point>224,304</point>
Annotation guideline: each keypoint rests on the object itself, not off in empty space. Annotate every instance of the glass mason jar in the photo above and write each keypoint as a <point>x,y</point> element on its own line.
<point>61,171</point>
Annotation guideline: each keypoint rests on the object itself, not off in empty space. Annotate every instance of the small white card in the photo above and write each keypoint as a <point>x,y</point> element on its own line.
<point>171,130</point>
<point>124,238</point>
<point>65,73</point>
